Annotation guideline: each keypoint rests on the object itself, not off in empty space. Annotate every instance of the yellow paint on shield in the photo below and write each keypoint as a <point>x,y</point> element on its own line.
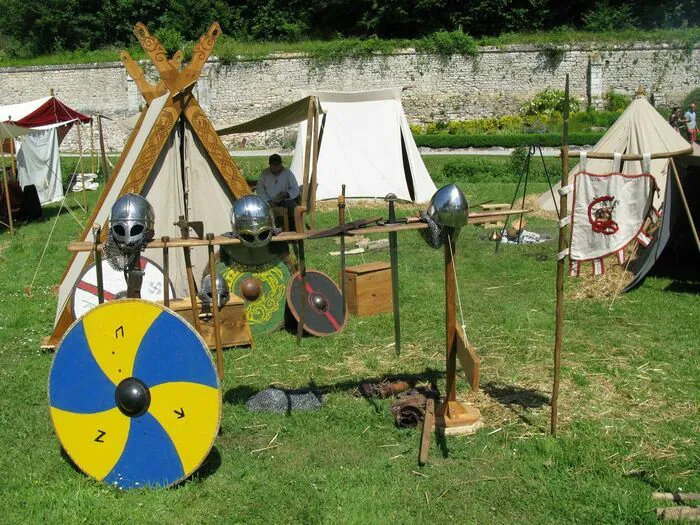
<point>93,441</point>
<point>115,333</point>
<point>190,414</point>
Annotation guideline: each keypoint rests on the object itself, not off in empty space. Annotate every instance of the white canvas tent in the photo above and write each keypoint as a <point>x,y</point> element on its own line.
<point>367,145</point>
<point>40,125</point>
<point>640,129</point>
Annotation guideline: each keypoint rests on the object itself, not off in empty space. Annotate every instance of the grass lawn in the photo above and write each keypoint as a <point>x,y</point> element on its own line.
<point>629,405</point>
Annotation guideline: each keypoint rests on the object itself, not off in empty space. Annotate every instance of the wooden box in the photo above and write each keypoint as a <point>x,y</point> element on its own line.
<point>368,288</point>
<point>234,323</point>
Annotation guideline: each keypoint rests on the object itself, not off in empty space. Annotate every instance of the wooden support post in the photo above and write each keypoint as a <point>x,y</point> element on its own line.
<point>307,157</point>
<point>7,193</point>
<point>97,255</point>
<point>452,416</point>
<point>685,204</point>
<point>13,162</point>
<point>561,263</point>
<point>166,271</point>
<point>215,307</point>
<point>304,292</point>
<point>92,149</point>
<point>314,168</point>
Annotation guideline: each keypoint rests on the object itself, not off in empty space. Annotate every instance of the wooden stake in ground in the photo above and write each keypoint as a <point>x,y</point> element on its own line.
<point>561,261</point>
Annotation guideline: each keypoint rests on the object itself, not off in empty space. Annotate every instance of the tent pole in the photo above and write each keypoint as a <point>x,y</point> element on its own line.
<point>12,158</point>
<point>685,204</point>
<point>92,149</point>
<point>82,164</point>
<point>563,210</point>
<point>103,153</point>
<point>314,168</point>
<point>7,192</point>
<point>307,155</point>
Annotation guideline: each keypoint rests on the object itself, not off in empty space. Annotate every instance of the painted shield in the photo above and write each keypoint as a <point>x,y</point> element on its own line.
<point>323,311</point>
<point>84,296</point>
<point>133,394</point>
<point>262,291</point>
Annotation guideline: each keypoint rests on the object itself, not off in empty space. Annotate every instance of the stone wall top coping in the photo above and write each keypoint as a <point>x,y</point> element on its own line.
<point>521,48</point>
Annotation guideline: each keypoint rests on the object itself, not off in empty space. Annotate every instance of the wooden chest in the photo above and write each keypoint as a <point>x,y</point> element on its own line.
<point>368,288</point>
<point>234,323</point>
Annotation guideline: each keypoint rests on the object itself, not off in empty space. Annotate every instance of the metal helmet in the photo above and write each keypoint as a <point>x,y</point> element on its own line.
<point>222,291</point>
<point>449,207</point>
<point>252,221</point>
<point>131,220</point>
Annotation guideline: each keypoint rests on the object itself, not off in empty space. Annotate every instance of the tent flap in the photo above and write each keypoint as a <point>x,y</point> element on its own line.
<point>287,116</point>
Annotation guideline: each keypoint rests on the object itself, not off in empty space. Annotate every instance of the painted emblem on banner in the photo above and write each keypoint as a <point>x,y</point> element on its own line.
<point>600,215</point>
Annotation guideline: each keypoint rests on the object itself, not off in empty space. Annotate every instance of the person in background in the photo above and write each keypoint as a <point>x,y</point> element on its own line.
<point>691,120</point>
<point>675,119</point>
<point>278,186</point>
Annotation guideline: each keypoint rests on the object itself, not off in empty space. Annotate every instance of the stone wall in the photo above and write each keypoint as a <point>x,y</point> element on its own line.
<point>495,82</point>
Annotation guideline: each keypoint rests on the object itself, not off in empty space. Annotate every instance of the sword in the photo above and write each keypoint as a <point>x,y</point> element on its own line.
<point>394,252</point>
<point>96,231</point>
<point>341,222</point>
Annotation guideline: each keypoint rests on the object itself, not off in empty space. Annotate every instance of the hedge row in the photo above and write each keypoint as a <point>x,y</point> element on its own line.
<point>504,141</point>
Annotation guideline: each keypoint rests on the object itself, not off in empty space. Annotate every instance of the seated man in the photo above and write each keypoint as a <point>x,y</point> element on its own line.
<point>278,186</point>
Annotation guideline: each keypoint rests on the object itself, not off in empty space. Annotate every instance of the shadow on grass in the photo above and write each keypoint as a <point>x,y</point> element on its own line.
<point>208,467</point>
<point>683,287</point>
<point>525,398</point>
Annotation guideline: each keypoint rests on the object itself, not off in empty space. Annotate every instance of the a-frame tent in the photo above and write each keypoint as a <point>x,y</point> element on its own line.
<point>174,158</point>
<point>367,145</point>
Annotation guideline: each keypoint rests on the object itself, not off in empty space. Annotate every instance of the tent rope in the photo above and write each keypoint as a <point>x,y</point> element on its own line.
<point>53,227</point>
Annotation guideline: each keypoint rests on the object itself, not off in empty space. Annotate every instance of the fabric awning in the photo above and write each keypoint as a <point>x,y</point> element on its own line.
<point>42,113</point>
<point>288,115</point>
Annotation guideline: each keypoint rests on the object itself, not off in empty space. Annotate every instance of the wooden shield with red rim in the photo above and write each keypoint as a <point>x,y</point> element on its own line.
<point>85,292</point>
<point>323,312</point>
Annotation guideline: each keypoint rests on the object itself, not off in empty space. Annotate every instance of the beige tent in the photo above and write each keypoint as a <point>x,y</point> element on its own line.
<point>640,129</point>
<point>173,158</point>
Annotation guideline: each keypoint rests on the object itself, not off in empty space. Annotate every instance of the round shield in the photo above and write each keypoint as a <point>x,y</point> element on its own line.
<point>262,290</point>
<point>323,312</point>
<point>133,394</point>
<point>85,292</point>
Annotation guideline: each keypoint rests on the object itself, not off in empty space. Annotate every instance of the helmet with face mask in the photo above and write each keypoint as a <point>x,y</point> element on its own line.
<point>252,221</point>
<point>131,221</point>
<point>222,291</point>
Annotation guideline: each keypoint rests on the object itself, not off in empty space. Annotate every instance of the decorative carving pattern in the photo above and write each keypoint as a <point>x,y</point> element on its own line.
<point>216,149</point>
<point>151,150</point>
<point>148,90</point>
<point>153,47</point>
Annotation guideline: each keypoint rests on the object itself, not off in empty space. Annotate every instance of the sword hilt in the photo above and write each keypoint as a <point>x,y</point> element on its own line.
<point>391,198</point>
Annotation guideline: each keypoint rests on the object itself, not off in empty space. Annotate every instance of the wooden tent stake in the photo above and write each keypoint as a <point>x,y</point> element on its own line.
<point>103,153</point>
<point>7,192</point>
<point>561,262</point>
<point>92,148</point>
<point>685,204</point>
